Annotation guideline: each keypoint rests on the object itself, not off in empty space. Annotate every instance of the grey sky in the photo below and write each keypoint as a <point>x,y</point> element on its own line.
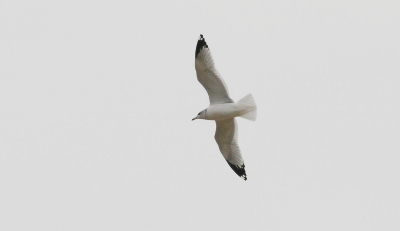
<point>97,99</point>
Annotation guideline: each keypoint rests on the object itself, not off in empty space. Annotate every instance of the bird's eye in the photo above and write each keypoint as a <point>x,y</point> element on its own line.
<point>199,113</point>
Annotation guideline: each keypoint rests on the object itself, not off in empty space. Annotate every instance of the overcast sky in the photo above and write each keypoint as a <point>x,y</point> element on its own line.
<point>97,97</point>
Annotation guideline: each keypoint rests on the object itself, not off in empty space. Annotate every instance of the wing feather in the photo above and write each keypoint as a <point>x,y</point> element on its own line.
<point>208,75</point>
<point>226,138</point>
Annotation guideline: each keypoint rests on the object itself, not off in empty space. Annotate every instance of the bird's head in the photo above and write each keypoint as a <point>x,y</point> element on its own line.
<point>201,115</point>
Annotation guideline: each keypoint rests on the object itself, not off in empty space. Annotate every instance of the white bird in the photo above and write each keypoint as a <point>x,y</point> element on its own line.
<point>222,108</point>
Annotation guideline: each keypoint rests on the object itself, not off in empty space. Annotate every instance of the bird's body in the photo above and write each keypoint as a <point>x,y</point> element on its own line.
<point>223,111</point>
<point>222,108</point>
<point>226,111</point>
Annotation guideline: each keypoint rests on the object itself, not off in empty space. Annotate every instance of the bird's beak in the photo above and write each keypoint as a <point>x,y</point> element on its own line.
<point>194,118</point>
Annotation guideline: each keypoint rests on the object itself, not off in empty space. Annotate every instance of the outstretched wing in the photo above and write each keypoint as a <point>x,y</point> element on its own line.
<point>208,75</point>
<point>226,137</point>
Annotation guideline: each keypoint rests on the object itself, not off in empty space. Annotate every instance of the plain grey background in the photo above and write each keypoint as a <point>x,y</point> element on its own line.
<point>97,98</point>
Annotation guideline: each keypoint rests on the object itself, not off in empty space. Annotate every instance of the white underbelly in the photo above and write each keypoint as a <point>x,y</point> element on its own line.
<point>225,111</point>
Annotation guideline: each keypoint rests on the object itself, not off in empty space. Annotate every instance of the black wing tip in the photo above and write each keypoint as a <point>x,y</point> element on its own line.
<point>239,170</point>
<point>200,44</point>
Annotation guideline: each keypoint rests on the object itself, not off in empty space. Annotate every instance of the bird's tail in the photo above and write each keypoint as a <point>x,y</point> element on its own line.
<point>250,111</point>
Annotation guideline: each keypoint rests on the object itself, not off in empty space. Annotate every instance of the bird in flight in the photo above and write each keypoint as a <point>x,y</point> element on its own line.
<point>222,108</point>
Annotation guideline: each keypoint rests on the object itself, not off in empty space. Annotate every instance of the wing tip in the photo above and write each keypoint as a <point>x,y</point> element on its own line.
<point>200,44</point>
<point>239,170</point>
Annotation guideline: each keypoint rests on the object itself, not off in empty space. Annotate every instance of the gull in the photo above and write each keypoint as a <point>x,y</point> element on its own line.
<point>222,108</point>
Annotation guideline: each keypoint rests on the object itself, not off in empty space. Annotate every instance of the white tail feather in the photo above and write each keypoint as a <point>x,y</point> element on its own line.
<point>250,112</point>
<point>250,115</point>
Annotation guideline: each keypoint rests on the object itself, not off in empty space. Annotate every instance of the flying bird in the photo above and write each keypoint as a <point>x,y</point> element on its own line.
<point>222,108</point>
